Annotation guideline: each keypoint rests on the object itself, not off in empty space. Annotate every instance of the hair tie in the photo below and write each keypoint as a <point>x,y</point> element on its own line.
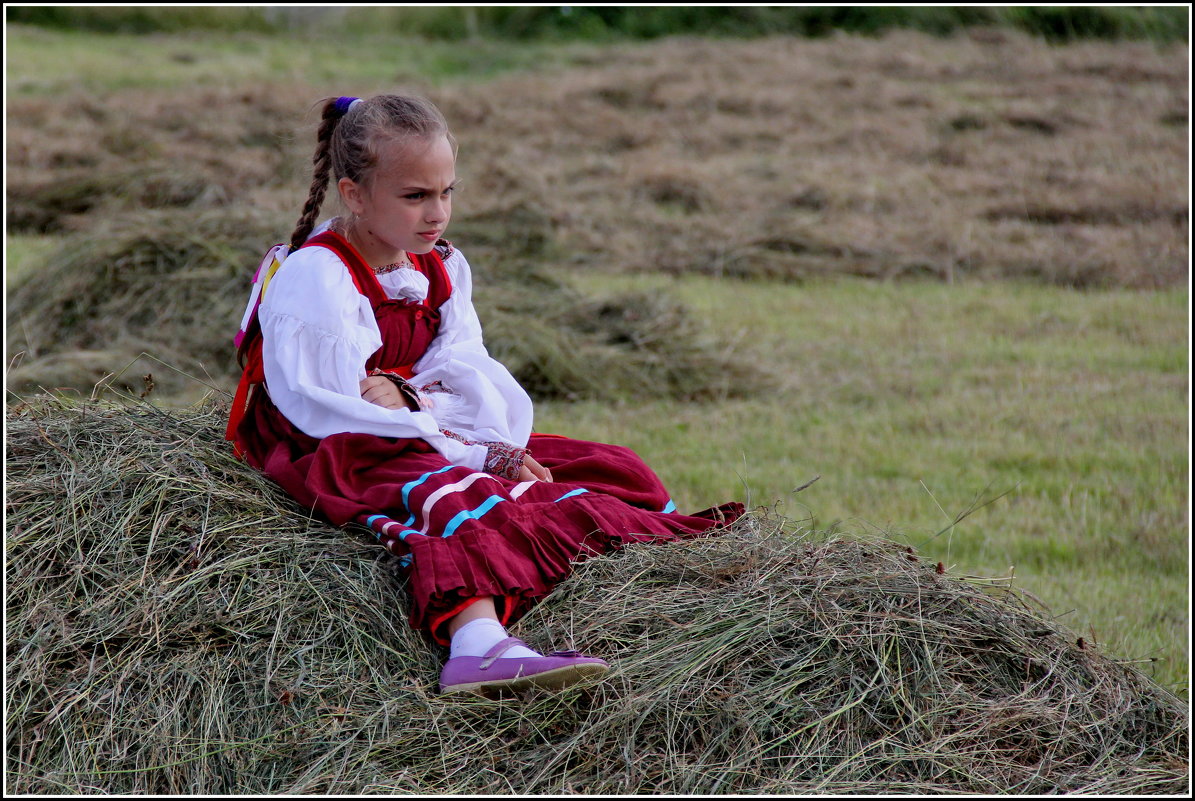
<point>345,104</point>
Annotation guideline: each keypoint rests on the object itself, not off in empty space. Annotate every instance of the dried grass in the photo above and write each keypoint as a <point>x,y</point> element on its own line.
<point>620,347</point>
<point>176,625</point>
<point>899,156</point>
<point>96,156</point>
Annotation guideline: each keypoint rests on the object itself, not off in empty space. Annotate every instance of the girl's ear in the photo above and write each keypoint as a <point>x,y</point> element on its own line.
<point>351,194</point>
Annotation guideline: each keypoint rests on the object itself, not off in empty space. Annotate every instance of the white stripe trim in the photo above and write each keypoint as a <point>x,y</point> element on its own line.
<point>520,489</point>
<point>436,496</point>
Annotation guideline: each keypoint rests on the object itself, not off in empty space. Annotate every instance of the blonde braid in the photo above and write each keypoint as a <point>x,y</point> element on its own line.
<point>319,182</point>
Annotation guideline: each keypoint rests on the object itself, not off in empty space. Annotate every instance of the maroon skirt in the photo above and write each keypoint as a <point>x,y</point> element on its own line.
<point>464,535</point>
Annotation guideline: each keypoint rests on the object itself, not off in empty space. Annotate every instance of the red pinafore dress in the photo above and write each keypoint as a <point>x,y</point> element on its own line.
<point>462,534</point>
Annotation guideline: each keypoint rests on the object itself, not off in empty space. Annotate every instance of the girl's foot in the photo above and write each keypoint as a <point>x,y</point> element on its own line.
<point>493,672</point>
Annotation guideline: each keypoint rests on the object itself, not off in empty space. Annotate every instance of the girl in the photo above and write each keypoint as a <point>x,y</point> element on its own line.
<point>380,405</point>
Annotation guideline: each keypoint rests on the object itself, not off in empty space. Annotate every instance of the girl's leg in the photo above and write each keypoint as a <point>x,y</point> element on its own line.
<point>477,629</point>
<point>482,607</point>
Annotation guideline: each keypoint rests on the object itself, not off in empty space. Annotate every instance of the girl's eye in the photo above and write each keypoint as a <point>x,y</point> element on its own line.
<point>422,195</point>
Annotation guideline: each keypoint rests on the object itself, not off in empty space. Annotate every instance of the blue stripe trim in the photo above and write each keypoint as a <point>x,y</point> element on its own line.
<point>402,535</point>
<point>570,494</point>
<point>671,507</point>
<point>406,490</point>
<point>406,494</point>
<point>369,522</point>
<point>461,517</point>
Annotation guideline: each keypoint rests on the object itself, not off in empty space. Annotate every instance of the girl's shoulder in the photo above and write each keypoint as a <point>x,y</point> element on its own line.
<point>309,277</point>
<point>318,265</point>
<point>454,261</point>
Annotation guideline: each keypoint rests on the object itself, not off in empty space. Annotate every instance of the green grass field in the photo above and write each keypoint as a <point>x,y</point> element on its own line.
<point>63,61</point>
<point>914,403</point>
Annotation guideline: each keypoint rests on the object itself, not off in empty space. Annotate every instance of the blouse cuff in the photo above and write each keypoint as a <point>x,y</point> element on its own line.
<point>502,458</point>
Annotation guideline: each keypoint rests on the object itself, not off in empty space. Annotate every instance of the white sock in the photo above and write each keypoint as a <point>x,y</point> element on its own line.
<point>480,635</point>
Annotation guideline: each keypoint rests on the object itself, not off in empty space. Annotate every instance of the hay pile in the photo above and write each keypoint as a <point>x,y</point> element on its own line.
<point>175,625</point>
<point>168,283</point>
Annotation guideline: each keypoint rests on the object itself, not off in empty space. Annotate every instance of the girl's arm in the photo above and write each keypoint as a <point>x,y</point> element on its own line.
<point>317,333</point>
<point>493,406</point>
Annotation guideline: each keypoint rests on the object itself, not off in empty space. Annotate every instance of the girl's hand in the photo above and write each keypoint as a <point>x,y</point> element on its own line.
<point>382,391</point>
<point>534,471</point>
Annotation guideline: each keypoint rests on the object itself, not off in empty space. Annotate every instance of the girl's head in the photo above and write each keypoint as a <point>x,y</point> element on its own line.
<point>360,141</point>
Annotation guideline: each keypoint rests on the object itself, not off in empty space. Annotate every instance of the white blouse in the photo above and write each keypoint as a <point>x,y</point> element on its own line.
<point>318,331</point>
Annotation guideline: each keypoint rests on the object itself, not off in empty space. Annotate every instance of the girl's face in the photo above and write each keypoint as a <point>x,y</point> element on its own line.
<point>408,203</point>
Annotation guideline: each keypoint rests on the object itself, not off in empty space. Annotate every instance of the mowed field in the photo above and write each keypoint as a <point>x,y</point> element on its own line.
<point>951,275</point>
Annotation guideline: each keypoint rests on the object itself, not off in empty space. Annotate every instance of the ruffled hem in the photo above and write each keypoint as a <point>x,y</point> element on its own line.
<point>533,552</point>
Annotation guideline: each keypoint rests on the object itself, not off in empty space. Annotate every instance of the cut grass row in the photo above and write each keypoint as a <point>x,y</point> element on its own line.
<point>915,403</point>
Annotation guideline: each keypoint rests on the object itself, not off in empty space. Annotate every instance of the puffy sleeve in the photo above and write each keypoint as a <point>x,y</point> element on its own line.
<point>493,406</point>
<point>317,333</point>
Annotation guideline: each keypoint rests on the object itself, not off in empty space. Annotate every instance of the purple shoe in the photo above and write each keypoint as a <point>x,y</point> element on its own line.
<point>481,673</point>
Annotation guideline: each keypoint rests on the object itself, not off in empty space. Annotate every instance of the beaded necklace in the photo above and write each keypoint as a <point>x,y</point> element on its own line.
<point>389,268</point>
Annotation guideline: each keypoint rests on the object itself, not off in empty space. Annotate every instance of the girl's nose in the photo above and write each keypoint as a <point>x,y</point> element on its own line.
<point>437,211</point>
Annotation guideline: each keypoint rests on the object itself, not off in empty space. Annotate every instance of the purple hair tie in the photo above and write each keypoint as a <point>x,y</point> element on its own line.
<point>343,104</point>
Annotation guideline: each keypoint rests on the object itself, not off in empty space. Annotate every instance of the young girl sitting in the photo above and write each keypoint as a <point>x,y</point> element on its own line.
<point>380,405</point>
